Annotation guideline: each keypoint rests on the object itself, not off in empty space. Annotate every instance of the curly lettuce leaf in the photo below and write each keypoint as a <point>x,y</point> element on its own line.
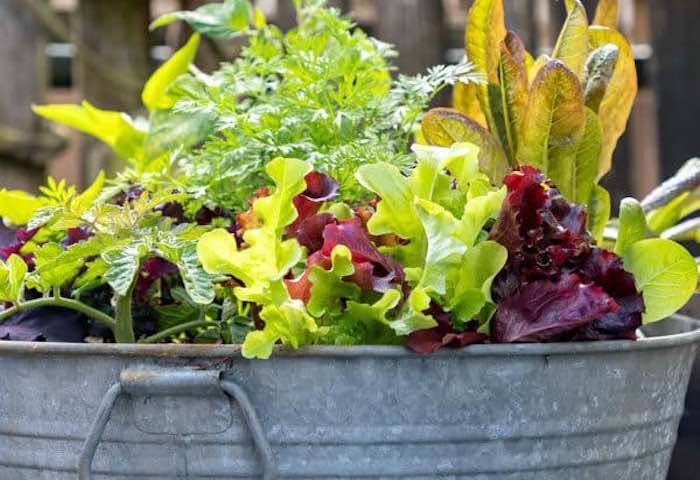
<point>366,324</point>
<point>328,285</point>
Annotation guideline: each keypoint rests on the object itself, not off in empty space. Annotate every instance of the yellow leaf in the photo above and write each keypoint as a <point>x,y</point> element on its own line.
<point>485,31</point>
<point>155,92</point>
<point>616,106</point>
<point>554,124</point>
<point>572,44</point>
<point>512,73</point>
<point>445,126</point>
<point>465,100</point>
<point>606,14</point>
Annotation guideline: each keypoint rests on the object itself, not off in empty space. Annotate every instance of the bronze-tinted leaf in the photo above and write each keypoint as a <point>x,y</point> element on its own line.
<point>512,94</point>
<point>553,125</point>
<point>485,31</point>
<point>572,44</point>
<point>619,97</point>
<point>599,69</point>
<point>446,126</point>
<point>534,68</point>
<point>465,99</point>
<point>606,14</point>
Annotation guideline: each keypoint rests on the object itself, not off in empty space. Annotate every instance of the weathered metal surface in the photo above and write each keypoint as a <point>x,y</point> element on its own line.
<point>595,411</point>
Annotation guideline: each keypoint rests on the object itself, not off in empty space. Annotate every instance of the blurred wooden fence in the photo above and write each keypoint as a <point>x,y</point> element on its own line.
<point>112,59</point>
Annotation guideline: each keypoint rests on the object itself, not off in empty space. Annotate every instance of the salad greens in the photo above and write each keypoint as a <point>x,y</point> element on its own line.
<point>279,200</point>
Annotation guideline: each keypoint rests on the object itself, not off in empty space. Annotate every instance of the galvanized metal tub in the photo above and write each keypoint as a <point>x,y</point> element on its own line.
<point>584,411</point>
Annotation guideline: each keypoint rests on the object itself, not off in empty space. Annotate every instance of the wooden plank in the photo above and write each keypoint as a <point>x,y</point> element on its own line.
<point>676,73</point>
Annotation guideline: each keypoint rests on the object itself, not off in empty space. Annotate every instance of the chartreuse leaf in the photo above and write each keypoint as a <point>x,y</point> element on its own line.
<point>85,200</point>
<point>598,72</point>
<point>477,212</point>
<point>598,212</point>
<point>470,286</point>
<point>225,19</point>
<point>365,324</point>
<point>268,258</point>
<point>428,180</point>
<point>513,91</point>
<point>328,285</point>
<point>12,273</point>
<point>54,265</point>
<point>632,225</point>
<point>444,249</point>
<point>155,93</point>
<point>289,323</point>
<point>665,217</point>
<point>664,272</point>
<point>116,129</point>
<point>445,126</point>
<point>466,101</point>
<point>19,207</point>
<point>396,212</point>
<point>412,317</point>
<point>606,14</point>
<point>572,44</point>
<point>586,159</point>
<point>535,68</point>
<point>553,126</point>
<point>484,33</point>
<point>616,105</point>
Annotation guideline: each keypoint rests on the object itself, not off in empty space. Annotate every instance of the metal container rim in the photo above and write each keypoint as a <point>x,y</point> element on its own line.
<point>688,334</point>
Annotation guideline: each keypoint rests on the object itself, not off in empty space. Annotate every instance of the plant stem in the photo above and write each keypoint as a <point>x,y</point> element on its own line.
<point>124,329</point>
<point>93,313</point>
<point>169,332</point>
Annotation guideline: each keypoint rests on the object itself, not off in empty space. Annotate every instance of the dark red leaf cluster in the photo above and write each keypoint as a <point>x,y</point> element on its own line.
<point>22,237</point>
<point>425,342</point>
<point>556,285</point>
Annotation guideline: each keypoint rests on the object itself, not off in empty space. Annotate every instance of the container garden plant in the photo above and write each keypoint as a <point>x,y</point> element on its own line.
<point>273,210</point>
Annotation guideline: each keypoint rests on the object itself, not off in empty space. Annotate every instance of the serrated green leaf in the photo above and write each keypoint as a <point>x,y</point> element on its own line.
<point>553,126</point>
<point>328,285</point>
<point>445,126</point>
<point>124,265</point>
<point>198,283</point>
<point>54,266</point>
<point>572,44</point>
<point>116,129</point>
<point>665,273</point>
<point>155,93</point>
<point>217,20</point>
<point>632,225</point>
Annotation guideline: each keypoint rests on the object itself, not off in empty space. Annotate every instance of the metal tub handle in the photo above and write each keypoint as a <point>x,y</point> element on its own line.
<point>159,382</point>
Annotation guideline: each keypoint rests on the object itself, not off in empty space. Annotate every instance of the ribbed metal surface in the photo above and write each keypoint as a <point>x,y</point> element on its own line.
<point>595,411</point>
